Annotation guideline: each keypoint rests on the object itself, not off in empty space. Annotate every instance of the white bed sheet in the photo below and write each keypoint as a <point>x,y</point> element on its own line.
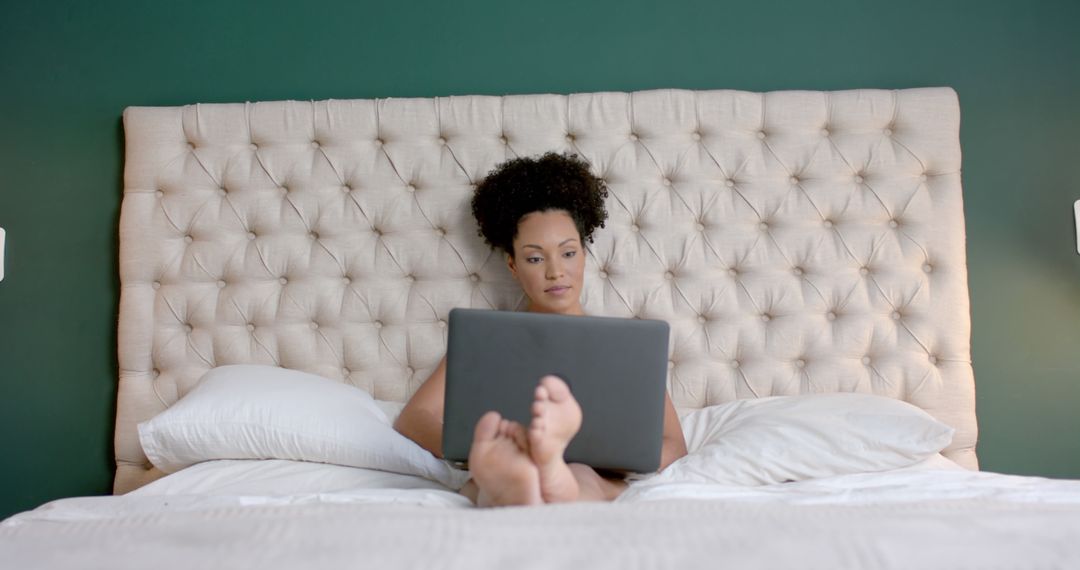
<point>281,514</point>
<point>935,480</point>
<point>278,477</point>
<point>246,483</point>
<point>240,483</point>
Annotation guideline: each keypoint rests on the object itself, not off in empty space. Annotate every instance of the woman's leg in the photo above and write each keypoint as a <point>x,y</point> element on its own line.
<point>471,491</point>
<point>503,473</point>
<point>512,468</point>
<point>595,487</point>
<point>592,486</point>
<point>556,419</point>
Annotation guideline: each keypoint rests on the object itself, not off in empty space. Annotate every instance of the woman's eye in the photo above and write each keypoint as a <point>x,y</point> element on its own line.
<point>570,254</point>
<point>534,259</point>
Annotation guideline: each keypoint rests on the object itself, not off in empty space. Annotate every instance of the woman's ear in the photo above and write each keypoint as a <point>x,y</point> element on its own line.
<point>511,266</point>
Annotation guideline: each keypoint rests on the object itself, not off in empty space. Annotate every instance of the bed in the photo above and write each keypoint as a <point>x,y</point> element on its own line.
<point>798,243</point>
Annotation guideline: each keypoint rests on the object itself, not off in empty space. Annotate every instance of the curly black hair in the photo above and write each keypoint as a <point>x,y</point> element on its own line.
<point>525,185</point>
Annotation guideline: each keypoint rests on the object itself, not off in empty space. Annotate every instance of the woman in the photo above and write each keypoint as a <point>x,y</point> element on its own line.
<point>539,212</point>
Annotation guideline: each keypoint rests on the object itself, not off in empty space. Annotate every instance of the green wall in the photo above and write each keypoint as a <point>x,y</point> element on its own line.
<point>69,68</point>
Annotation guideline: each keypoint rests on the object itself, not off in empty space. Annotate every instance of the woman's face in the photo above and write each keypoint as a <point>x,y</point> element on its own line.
<point>549,262</point>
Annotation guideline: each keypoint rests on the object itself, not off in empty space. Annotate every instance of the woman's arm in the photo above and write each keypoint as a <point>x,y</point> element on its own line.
<point>674,441</point>
<point>421,419</point>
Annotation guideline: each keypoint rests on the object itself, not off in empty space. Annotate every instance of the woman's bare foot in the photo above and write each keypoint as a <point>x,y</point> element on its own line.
<point>556,420</point>
<point>501,465</point>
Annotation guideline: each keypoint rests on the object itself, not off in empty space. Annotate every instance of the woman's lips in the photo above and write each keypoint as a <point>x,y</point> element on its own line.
<point>557,290</point>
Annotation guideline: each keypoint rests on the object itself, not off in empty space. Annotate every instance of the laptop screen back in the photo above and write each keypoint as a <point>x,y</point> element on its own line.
<point>616,369</point>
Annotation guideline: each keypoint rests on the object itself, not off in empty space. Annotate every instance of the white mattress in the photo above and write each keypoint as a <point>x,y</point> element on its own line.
<point>279,514</point>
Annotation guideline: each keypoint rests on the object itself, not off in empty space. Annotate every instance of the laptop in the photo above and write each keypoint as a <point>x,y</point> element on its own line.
<point>616,369</point>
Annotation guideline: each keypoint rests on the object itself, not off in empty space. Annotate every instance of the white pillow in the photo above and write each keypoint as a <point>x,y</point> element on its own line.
<point>265,412</point>
<point>790,438</point>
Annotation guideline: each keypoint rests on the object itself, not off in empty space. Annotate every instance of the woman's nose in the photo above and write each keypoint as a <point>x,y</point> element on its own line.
<point>554,269</point>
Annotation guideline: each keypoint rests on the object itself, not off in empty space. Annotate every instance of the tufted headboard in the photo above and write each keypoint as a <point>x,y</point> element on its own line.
<point>795,241</point>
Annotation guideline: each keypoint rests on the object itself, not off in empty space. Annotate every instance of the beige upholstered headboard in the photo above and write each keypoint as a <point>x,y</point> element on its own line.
<point>796,241</point>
